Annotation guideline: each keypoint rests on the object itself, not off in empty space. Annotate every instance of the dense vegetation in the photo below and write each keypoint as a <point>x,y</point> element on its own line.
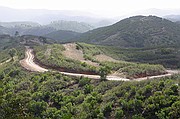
<point>51,55</point>
<point>166,56</point>
<point>62,35</point>
<point>137,31</point>
<point>52,95</point>
<point>134,70</point>
<point>6,41</point>
<point>129,69</point>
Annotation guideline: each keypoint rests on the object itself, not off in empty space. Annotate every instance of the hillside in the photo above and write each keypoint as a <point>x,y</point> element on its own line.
<point>32,28</point>
<point>24,28</point>
<point>70,26</point>
<point>52,95</point>
<point>33,95</point>
<point>37,31</point>
<point>7,41</point>
<point>178,22</point>
<point>137,31</point>
<point>62,35</point>
<point>3,30</point>
<point>87,59</point>
<point>19,24</point>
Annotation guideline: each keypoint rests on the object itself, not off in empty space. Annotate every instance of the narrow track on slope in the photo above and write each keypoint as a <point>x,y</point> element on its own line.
<point>29,64</point>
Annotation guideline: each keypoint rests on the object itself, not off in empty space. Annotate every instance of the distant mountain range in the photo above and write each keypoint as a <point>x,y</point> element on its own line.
<point>32,28</point>
<point>43,16</point>
<point>174,18</point>
<point>70,26</point>
<point>138,31</point>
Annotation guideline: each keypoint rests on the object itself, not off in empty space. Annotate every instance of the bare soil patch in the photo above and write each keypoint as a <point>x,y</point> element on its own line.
<point>73,53</point>
<point>103,58</point>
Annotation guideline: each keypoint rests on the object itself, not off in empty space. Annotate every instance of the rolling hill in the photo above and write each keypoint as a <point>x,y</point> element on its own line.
<point>62,35</point>
<point>7,41</point>
<point>24,24</point>
<point>32,28</point>
<point>137,31</point>
<point>70,26</point>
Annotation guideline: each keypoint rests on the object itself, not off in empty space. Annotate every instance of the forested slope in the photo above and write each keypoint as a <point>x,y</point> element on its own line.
<point>137,31</point>
<point>52,95</point>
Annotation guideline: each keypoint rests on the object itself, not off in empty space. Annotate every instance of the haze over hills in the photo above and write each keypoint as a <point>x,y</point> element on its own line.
<point>174,18</point>
<point>41,21</point>
<point>43,16</point>
<point>33,28</point>
<point>138,31</point>
<point>70,25</point>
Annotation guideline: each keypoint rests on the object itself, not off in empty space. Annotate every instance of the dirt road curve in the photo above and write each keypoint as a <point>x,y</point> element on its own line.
<point>29,64</point>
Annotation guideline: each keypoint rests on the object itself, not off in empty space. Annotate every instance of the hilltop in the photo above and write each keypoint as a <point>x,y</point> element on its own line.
<point>137,31</point>
<point>7,41</point>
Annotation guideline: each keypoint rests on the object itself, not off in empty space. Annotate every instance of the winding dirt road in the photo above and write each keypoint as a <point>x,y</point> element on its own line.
<point>29,64</point>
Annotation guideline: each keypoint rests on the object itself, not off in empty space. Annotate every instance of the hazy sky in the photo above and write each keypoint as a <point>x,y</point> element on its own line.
<point>110,7</point>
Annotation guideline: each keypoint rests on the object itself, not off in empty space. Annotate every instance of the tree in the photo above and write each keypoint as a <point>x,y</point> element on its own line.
<point>83,81</point>
<point>88,88</point>
<point>103,72</point>
<point>119,114</point>
<point>107,109</point>
<point>36,108</point>
<point>12,52</point>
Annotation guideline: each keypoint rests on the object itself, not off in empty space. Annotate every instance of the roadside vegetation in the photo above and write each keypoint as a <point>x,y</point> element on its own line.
<point>52,95</point>
<point>51,55</point>
<point>129,69</point>
<point>135,70</point>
